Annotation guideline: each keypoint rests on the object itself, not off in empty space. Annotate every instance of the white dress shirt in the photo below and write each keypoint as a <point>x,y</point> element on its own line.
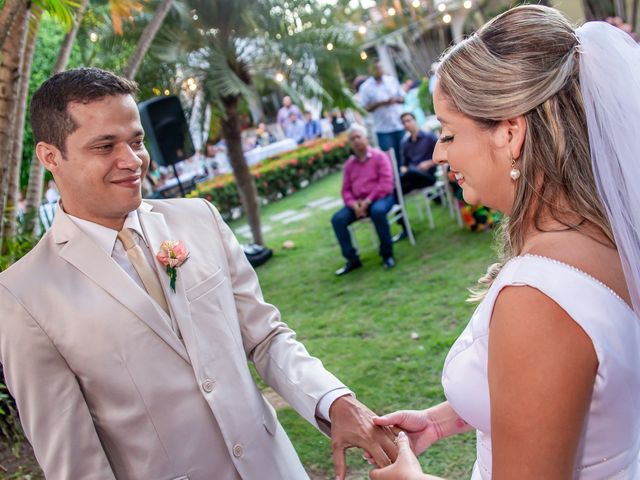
<point>386,118</point>
<point>107,240</point>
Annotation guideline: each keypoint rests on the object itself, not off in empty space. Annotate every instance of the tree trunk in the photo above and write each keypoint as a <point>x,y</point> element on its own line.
<point>36,170</point>
<point>244,181</point>
<point>11,210</point>
<point>8,15</point>
<point>12,53</point>
<point>146,38</point>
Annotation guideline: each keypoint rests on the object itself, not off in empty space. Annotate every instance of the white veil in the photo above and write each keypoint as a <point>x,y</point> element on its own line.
<point>610,84</point>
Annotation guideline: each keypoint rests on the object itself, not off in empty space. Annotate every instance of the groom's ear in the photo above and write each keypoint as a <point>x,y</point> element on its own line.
<point>49,155</point>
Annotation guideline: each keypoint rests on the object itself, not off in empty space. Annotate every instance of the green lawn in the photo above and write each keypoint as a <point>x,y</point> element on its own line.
<point>361,325</point>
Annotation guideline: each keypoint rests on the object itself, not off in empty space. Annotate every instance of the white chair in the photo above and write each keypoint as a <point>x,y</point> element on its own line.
<point>452,201</point>
<point>424,196</point>
<point>47,212</point>
<point>397,212</point>
<point>442,190</point>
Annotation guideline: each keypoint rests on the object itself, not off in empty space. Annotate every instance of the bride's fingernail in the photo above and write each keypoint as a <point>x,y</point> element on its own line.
<point>402,435</point>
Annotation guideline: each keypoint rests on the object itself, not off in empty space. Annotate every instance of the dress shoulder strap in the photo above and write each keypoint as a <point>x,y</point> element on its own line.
<point>600,311</point>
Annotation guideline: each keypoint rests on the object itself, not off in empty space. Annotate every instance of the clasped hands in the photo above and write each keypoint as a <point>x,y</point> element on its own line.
<point>360,208</point>
<point>354,425</point>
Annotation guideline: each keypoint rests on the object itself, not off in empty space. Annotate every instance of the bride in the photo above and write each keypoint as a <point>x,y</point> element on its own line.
<point>543,123</point>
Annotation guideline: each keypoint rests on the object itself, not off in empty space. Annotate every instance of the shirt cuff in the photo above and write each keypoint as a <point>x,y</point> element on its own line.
<point>322,410</point>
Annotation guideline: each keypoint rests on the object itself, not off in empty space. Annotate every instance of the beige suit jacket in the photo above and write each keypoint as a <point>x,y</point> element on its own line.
<point>106,390</point>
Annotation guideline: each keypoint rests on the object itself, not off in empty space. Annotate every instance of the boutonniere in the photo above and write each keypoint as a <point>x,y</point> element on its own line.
<point>172,254</point>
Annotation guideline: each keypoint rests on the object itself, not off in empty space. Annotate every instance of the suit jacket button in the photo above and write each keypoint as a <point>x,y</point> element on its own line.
<point>207,385</point>
<point>237,450</point>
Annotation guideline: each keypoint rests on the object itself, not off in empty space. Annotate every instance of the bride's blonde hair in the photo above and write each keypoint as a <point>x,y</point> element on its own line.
<point>526,62</point>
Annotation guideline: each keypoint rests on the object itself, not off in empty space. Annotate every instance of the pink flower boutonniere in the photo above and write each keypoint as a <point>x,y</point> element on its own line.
<point>172,254</point>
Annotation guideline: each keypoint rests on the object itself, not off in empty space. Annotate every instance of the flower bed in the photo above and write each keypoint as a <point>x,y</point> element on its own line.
<point>278,176</point>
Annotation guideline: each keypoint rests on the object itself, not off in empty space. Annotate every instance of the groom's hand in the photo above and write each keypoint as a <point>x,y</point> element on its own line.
<point>352,426</point>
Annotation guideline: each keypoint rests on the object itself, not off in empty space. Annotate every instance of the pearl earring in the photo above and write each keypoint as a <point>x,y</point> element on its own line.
<point>514,173</point>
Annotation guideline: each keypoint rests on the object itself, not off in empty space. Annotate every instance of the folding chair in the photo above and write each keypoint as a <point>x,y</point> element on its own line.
<point>427,194</point>
<point>452,201</point>
<point>397,212</point>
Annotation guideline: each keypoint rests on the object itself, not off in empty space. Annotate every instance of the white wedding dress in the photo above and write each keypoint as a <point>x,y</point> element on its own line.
<point>610,440</point>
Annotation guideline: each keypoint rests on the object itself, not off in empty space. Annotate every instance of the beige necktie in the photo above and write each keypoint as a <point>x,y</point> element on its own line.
<point>145,271</point>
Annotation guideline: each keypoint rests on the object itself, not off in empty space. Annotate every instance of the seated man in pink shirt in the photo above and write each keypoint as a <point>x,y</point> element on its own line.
<point>367,190</point>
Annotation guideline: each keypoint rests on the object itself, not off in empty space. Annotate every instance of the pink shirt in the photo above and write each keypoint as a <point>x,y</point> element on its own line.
<point>370,179</point>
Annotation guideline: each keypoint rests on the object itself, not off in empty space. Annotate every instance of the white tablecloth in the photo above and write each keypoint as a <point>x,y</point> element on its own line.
<point>260,153</point>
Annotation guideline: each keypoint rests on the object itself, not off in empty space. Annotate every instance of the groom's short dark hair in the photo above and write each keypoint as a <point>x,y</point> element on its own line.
<point>51,121</point>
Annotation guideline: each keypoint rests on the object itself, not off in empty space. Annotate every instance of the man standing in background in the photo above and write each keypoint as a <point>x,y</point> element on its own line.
<point>382,95</point>
<point>285,113</point>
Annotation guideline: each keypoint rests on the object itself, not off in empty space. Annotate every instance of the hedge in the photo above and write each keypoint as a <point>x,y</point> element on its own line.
<point>278,176</point>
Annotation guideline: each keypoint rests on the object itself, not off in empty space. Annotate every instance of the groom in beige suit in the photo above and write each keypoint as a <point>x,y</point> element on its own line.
<point>115,374</point>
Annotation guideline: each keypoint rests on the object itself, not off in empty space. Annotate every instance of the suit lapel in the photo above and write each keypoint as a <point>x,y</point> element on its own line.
<point>80,251</point>
<point>156,231</point>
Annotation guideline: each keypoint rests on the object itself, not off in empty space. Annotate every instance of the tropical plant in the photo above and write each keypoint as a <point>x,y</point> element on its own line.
<point>146,38</point>
<point>15,153</point>
<point>14,51</point>
<point>10,73</point>
<point>232,46</point>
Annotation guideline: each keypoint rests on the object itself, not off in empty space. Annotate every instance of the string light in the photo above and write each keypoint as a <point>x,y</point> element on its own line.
<point>362,29</point>
<point>279,77</point>
<point>446,18</point>
<point>167,92</point>
<point>93,36</point>
<point>467,4</point>
<point>329,46</point>
<point>363,55</point>
<point>415,3</point>
<point>442,7</point>
<point>289,62</point>
<point>391,11</point>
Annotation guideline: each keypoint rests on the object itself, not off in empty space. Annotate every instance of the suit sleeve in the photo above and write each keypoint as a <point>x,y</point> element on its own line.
<point>54,415</point>
<point>279,358</point>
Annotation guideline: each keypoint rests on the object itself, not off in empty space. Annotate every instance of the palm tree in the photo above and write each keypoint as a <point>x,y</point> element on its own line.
<point>15,158</point>
<point>10,71</point>
<point>146,38</point>
<point>8,14</point>
<point>229,44</point>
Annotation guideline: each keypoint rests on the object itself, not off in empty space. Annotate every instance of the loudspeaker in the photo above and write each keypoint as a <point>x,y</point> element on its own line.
<point>166,130</point>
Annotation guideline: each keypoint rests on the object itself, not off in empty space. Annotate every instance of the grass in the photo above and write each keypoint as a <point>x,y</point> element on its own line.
<point>361,325</point>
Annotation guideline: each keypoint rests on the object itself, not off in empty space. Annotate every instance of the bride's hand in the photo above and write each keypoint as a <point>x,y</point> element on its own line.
<point>406,466</point>
<point>421,429</point>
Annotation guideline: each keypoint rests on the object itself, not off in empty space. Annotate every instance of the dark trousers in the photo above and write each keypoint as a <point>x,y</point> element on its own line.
<point>387,141</point>
<point>413,179</point>
<point>378,213</point>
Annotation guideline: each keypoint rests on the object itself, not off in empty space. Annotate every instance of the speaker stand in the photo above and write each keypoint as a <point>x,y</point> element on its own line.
<point>175,172</point>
